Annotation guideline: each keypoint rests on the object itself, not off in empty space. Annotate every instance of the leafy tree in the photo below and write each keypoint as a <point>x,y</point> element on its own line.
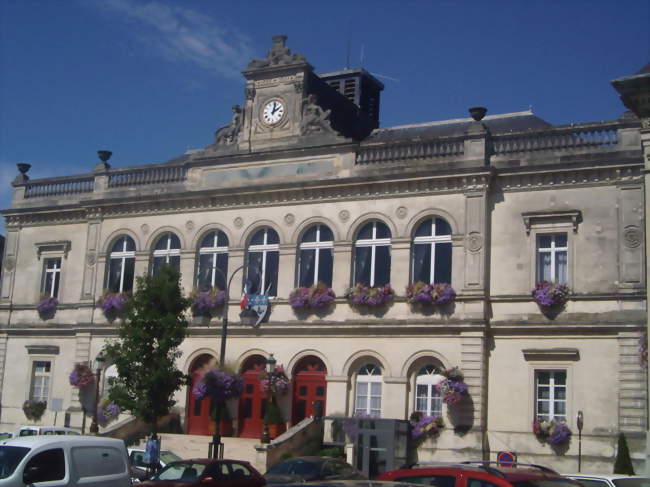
<point>623,464</point>
<point>147,348</point>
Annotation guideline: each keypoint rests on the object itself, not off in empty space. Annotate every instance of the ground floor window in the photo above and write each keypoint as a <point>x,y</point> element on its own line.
<point>368,391</point>
<point>40,380</point>
<point>427,398</point>
<point>550,395</point>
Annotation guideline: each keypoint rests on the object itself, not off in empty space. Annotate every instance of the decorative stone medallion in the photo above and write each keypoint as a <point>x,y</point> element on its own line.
<point>344,215</point>
<point>474,242</point>
<point>401,212</point>
<point>189,224</point>
<point>144,228</point>
<point>238,222</point>
<point>289,218</point>
<point>91,258</point>
<point>632,236</point>
<point>9,264</point>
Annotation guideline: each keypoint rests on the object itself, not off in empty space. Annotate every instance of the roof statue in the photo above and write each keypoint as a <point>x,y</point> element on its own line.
<point>227,134</point>
<point>314,118</point>
<point>278,55</point>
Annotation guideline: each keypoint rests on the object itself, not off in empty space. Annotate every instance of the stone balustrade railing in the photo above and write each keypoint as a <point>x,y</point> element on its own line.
<point>147,176</point>
<point>40,189</point>
<point>414,150</point>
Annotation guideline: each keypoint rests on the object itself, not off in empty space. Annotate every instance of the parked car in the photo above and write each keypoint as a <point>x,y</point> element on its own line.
<point>304,469</point>
<point>45,430</point>
<point>138,465</point>
<point>349,483</point>
<point>64,461</point>
<point>476,474</point>
<point>589,480</point>
<point>206,472</point>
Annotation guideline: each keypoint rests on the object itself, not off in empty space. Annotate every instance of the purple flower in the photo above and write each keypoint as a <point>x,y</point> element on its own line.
<point>81,376</point>
<point>316,296</point>
<point>426,426</point>
<point>47,305</point>
<point>106,412</point>
<point>276,382</point>
<point>362,295</point>
<point>427,294</point>
<point>219,385</point>
<point>114,303</point>
<point>208,302</point>
<point>453,387</point>
<point>550,294</point>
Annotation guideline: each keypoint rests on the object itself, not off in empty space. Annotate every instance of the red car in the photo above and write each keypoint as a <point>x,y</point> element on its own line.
<point>479,475</point>
<point>206,472</point>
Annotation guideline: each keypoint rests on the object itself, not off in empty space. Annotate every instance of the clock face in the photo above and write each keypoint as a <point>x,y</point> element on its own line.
<point>273,112</point>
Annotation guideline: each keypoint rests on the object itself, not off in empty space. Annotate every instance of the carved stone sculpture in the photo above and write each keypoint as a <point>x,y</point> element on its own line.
<point>314,118</point>
<point>227,134</point>
<point>278,55</point>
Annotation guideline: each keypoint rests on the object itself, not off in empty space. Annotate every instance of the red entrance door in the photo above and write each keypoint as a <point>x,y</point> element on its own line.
<point>252,400</point>
<point>309,387</point>
<point>198,410</point>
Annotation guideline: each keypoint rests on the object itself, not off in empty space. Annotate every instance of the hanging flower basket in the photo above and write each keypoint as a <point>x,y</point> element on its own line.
<point>275,383</point>
<point>372,297</point>
<point>107,412</point>
<point>453,387</point>
<point>438,294</point>
<point>34,410</point>
<point>552,432</point>
<point>114,304</point>
<point>207,303</point>
<point>550,294</point>
<point>219,385</point>
<point>313,297</point>
<point>81,376</point>
<point>423,427</point>
<point>47,306</point>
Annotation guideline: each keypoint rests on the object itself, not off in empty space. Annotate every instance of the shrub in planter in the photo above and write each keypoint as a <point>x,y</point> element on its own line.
<point>81,376</point>
<point>453,387</point>
<point>34,410</point>
<point>207,303</point>
<point>47,305</point>
<point>313,297</point>
<point>550,294</point>
<point>430,294</point>
<point>373,297</point>
<point>552,432</point>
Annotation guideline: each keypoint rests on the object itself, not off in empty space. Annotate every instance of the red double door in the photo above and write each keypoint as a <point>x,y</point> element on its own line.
<point>309,388</point>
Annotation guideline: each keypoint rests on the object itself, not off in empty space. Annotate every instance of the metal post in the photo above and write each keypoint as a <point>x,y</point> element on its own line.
<point>94,427</point>
<point>579,422</point>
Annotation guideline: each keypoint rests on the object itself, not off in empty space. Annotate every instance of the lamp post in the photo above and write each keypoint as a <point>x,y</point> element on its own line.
<point>99,363</point>
<point>270,367</point>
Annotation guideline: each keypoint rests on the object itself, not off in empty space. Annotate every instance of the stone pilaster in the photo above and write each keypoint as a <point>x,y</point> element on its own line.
<point>9,264</point>
<point>91,260</point>
<point>631,385</point>
<point>3,357</point>
<point>475,236</point>
<point>342,267</point>
<point>81,355</point>
<point>400,263</point>
<point>286,265</point>
<point>473,366</point>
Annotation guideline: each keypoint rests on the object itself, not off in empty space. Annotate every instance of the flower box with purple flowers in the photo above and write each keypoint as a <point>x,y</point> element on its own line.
<point>550,294</point>
<point>553,432</point>
<point>423,426</point>
<point>219,385</point>
<point>81,376</point>
<point>313,297</point>
<point>430,294</point>
<point>275,382</point>
<point>114,304</point>
<point>372,297</point>
<point>208,303</point>
<point>452,387</point>
<point>47,305</point>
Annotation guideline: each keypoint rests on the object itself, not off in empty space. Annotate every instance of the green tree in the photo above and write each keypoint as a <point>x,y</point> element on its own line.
<point>147,348</point>
<point>623,464</point>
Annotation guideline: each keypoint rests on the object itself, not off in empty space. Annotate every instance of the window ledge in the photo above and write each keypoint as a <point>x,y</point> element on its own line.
<point>564,354</point>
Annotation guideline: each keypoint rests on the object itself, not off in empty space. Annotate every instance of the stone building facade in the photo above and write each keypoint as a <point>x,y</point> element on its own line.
<point>303,186</point>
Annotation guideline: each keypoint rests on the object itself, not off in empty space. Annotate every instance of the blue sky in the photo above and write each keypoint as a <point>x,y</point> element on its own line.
<point>151,79</point>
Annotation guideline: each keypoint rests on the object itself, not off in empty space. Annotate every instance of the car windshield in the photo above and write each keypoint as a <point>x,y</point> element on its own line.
<point>10,457</point>
<point>183,471</point>
<point>167,457</point>
<point>557,482</point>
<point>632,482</point>
<point>295,467</point>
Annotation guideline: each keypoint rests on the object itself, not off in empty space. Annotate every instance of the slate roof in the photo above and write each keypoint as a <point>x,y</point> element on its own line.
<point>501,123</point>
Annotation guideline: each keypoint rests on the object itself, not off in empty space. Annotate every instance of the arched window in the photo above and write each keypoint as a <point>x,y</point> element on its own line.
<point>263,257</point>
<point>166,251</point>
<point>372,255</point>
<point>315,259</point>
<point>367,399</point>
<point>431,252</point>
<point>213,261</point>
<point>427,399</point>
<point>121,265</point>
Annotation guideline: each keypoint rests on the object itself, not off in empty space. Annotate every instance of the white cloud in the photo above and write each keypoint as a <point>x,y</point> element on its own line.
<point>184,35</point>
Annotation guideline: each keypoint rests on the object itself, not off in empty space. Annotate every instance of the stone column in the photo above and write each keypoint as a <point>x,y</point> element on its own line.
<point>342,267</point>
<point>187,270</point>
<point>394,402</point>
<point>286,270</point>
<point>400,263</point>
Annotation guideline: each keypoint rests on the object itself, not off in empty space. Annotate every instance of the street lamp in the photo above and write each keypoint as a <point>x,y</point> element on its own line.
<point>99,364</point>
<point>270,367</point>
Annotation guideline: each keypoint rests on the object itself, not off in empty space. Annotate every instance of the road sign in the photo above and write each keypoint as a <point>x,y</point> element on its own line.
<point>506,459</point>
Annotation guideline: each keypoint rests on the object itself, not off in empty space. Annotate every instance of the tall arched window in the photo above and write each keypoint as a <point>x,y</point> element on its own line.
<point>121,265</point>
<point>315,262</point>
<point>213,261</point>
<point>372,255</point>
<point>427,398</point>
<point>166,251</point>
<point>263,258</point>
<point>367,399</point>
<point>431,252</point>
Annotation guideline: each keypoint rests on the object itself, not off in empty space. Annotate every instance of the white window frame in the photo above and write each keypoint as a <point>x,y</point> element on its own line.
<point>553,250</point>
<point>215,251</point>
<point>552,391</point>
<point>368,379</point>
<point>318,245</point>
<point>168,252</point>
<point>373,243</point>
<point>430,380</point>
<point>56,277</point>
<point>33,374</point>
<point>122,255</point>
<point>264,248</point>
<point>432,240</point>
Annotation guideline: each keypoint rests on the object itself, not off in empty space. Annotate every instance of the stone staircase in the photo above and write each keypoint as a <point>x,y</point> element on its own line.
<point>196,446</point>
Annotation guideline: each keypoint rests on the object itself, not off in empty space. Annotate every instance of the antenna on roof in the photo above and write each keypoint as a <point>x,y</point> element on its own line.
<point>347,59</point>
<point>361,56</point>
<point>385,77</point>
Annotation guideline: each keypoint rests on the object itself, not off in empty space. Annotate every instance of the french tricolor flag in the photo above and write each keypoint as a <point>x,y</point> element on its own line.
<point>244,299</point>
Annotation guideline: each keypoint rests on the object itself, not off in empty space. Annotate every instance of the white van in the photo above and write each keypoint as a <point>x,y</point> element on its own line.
<point>45,430</point>
<point>64,461</point>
